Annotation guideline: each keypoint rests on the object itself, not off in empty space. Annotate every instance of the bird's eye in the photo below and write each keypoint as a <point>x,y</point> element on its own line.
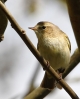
<point>43,27</point>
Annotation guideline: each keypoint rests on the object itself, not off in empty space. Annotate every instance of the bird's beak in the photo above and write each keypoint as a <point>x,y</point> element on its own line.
<point>32,28</point>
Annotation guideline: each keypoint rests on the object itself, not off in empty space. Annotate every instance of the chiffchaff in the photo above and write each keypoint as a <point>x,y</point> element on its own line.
<point>54,46</point>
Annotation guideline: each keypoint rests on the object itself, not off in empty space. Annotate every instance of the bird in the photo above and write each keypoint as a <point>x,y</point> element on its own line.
<point>53,45</point>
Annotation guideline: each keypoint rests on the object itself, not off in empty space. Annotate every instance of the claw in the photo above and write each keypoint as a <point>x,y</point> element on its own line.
<point>48,65</point>
<point>57,82</point>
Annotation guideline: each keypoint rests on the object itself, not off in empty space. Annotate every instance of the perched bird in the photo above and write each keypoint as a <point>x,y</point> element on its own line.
<point>54,46</point>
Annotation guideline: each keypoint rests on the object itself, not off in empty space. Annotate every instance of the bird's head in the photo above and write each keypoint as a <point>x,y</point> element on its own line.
<point>42,28</point>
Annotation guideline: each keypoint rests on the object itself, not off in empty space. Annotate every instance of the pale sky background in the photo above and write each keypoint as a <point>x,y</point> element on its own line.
<point>17,63</point>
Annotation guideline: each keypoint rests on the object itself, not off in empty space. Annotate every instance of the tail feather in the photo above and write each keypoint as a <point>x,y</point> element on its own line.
<point>48,82</point>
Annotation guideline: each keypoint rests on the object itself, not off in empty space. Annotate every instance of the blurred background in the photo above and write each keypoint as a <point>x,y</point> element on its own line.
<point>20,71</point>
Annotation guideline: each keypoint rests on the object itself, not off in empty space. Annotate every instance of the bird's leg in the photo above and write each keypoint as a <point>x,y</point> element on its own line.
<point>59,72</point>
<point>48,65</point>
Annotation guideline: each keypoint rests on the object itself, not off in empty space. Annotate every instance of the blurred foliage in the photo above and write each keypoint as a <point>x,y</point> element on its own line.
<point>62,1</point>
<point>32,87</point>
<point>32,6</point>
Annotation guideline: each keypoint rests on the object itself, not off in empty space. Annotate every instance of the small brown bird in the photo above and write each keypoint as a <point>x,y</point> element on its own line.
<point>55,47</point>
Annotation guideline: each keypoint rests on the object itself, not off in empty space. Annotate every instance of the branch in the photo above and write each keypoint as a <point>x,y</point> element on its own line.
<point>38,93</point>
<point>43,62</point>
<point>75,59</point>
<point>5,0</point>
<point>3,23</point>
<point>74,13</point>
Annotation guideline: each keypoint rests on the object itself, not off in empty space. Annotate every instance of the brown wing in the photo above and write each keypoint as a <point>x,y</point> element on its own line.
<point>38,46</point>
<point>68,42</point>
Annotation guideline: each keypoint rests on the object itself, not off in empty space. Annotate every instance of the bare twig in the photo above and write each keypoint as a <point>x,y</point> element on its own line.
<point>75,59</point>
<point>43,62</point>
<point>38,93</point>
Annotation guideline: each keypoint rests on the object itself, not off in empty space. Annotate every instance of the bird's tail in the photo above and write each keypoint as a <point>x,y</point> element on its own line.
<point>48,82</point>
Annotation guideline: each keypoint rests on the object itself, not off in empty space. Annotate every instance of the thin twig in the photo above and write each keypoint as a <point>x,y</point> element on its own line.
<point>75,59</point>
<point>43,62</point>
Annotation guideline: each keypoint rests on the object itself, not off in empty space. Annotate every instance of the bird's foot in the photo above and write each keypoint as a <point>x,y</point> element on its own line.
<point>48,65</point>
<point>57,82</point>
